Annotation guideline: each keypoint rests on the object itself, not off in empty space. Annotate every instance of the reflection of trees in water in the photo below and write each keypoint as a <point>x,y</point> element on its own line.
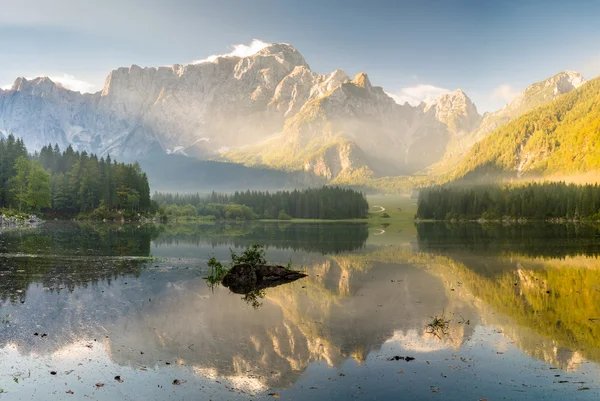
<point>542,282</point>
<point>57,274</point>
<point>547,306</point>
<point>70,238</point>
<point>325,238</point>
<point>67,255</point>
<point>551,240</point>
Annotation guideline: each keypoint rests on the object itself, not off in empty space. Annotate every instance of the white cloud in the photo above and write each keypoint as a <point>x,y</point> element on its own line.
<point>504,92</point>
<point>414,95</point>
<point>74,84</point>
<point>238,51</point>
<point>66,81</point>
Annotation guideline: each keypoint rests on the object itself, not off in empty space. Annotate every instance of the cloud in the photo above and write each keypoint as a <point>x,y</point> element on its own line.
<point>70,82</point>
<point>414,95</point>
<point>504,92</point>
<point>66,81</point>
<point>238,51</point>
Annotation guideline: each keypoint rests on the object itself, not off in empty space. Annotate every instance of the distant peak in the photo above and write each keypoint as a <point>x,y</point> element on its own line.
<point>362,79</point>
<point>573,77</point>
<point>42,83</point>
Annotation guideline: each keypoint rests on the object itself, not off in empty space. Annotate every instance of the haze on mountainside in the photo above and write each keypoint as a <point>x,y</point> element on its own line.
<point>268,110</point>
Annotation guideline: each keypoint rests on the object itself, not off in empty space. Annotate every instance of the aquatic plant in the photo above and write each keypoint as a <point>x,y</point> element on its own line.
<point>216,273</point>
<point>254,255</point>
<point>438,326</point>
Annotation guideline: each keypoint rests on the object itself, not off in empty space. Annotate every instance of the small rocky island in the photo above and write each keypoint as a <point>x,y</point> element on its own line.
<point>245,278</point>
<point>249,272</point>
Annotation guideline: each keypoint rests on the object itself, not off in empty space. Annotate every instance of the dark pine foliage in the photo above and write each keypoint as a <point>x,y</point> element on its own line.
<point>79,182</point>
<point>314,203</point>
<point>532,201</point>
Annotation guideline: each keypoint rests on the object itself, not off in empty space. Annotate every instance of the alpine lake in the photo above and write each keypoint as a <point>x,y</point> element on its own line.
<point>397,311</point>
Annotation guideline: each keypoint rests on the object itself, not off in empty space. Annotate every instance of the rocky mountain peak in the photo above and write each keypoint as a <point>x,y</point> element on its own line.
<point>456,110</point>
<point>362,80</point>
<point>541,92</point>
<point>566,81</point>
<point>284,53</point>
<point>36,86</point>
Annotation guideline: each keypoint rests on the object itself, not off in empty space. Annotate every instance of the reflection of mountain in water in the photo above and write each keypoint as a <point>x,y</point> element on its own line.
<point>339,312</point>
<point>547,306</point>
<point>348,306</point>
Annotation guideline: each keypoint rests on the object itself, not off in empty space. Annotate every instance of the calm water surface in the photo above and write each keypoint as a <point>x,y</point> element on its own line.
<point>522,305</point>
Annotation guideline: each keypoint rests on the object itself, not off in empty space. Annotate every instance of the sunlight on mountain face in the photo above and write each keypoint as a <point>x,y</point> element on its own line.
<point>370,202</point>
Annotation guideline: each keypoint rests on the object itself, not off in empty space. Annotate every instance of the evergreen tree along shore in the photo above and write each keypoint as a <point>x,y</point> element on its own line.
<point>541,202</point>
<point>333,203</point>
<point>68,183</point>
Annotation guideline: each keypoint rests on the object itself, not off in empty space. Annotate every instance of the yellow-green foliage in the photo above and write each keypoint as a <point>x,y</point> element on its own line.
<point>562,136</point>
<point>554,297</point>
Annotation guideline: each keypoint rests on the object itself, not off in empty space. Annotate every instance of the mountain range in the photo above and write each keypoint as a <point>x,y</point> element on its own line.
<point>267,110</point>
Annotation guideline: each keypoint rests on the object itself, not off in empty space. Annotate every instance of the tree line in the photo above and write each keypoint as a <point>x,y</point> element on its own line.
<point>536,201</point>
<point>69,182</point>
<point>313,203</point>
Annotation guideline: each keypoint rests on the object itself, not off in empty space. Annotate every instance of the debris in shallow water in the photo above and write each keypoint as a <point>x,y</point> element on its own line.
<point>178,382</point>
<point>53,373</point>
<point>401,358</point>
<point>70,392</point>
<point>118,378</point>
<point>99,385</point>
<point>434,389</point>
<point>274,395</point>
<point>583,388</point>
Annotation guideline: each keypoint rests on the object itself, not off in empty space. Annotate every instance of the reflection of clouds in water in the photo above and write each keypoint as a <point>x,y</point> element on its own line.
<point>248,383</point>
<point>412,340</point>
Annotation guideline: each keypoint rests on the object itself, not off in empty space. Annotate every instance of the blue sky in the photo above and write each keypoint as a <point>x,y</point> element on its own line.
<point>490,49</point>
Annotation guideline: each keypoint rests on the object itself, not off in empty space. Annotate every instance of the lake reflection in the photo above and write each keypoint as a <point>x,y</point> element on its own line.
<point>523,321</point>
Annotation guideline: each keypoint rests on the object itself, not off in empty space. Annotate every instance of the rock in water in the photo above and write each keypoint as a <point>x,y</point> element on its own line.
<point>245,278</point>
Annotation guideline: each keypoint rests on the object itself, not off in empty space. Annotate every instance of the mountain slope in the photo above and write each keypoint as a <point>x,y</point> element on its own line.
<point>357,129</point>
<point>562,137</point>
<point>268,109</point>
<point>535,95</point>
